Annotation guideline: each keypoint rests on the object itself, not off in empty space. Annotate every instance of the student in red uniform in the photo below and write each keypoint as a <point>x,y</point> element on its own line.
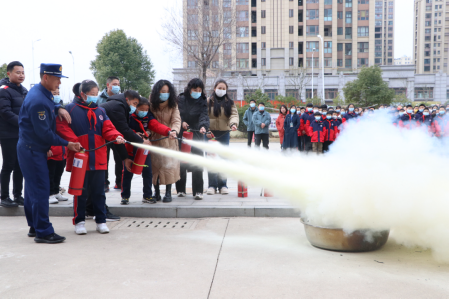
<point>304,124</point>
<point>90,126</point>
<point>337,122</point>
<point>318,131</point>
<point>331,127</point>
<point>350,114</point>
<point>425,120</point>
<point>440,123</point>
<point>407,119</point>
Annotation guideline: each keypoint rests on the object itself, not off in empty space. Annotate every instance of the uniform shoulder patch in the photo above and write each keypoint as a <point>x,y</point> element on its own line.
<point>100,117</point>
<point>42,115</point>
<point>4,87</point>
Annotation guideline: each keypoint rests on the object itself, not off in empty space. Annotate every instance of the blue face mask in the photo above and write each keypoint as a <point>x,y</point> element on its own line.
<point>426,113</point>
<point>351,109</point>
<point>442,112</point>
<point>195,95</point>
<point>317,117</point>
<point>357,112</point>
<point>261,108</point>
<point>309,109</point>
<point>133,109</point>
<point>164,96</point>
<point>328,116</point>
<point>115,89</point>
<point>324,113</point>
<point>56,99</point>
<point>338,110</point>
<point>421,110</point>
<point>252,105</point>
<point>409,111</point>
<point>401,113</point>
<point>91,99</point>
<point>142,114</point>
<point>292,110</point>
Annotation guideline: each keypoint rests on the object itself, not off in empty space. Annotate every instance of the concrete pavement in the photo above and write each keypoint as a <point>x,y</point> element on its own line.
<point>207,258</point>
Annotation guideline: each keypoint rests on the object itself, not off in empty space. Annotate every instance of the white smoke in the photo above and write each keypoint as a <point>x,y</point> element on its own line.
<point>376,176</point>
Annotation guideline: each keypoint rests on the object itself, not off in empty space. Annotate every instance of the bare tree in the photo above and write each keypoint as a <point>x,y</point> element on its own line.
<point>298,79</point>
<point>199,31</point>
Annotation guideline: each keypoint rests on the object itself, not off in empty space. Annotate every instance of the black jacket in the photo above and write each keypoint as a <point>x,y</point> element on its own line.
<point>118,112</point>
<point>11,99</point>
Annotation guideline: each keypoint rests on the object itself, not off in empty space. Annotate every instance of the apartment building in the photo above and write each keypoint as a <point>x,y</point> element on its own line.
<point>274,36</point>
<point>403,60</point>
<point>431,36</point>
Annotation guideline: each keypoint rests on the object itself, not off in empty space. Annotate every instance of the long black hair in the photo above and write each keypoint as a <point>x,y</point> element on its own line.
<point>154,97</point>
<point>227,103</point>
<point>280,109</point>
<point>194,83</point>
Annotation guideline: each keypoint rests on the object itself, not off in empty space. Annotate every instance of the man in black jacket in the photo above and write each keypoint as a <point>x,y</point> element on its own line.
<point>12,94</point>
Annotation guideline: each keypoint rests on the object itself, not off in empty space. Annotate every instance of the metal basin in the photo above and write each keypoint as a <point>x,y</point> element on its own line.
<point>337,240</point>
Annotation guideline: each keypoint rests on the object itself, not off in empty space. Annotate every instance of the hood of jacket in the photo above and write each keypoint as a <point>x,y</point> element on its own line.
<point>21,88</point>
<point>251,110</point>
<point>104,94</point>
<point>120,100</point>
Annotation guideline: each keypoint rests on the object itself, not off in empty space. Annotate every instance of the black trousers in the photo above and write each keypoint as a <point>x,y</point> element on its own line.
<point>250,137</point>
<point>197,179</point>
<point>55,171</point>
<point>326,145</point>
<point>118,166</point>
<point>301,143</point>
<point>261,137</point>
<point>308,143</point>
<point>10,164</point>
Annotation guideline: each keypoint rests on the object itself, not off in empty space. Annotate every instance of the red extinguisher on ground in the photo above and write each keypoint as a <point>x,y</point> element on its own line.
<point>242,190</point>
<point>139,161</point>
<point>186,148</point>
<point>79,168</point>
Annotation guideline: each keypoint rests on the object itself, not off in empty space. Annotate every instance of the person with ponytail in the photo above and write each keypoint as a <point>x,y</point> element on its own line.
<point>224,118</point>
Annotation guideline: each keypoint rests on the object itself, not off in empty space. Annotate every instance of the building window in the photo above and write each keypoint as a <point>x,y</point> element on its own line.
<point>191,64</point>
<point>362,47</point>
<point>427,68</point>
<point>363,1</point>
<point>340,62</point>
<point>340,31</point>
<point>348,17</point>
<point>263,29</point>
<point>290,29</point>
<point>290,45</point>
<point>242,16</point>
<point>192,3</point>
<point>263,61</point>
<point>292,93</point>
<point>242,32</point>
<point>242,48</point>
<point>290,13</point>
<point>227,49</point>
<point>348,3</point>
<point>242,63</point>
<point>378,61</point>
<point>424,92</point>
<point>312,45</point>
<point>309,93</point>
<point>264,14</point>
<point>271,93</point>
<point>263,45</point>
<point>315,60</point>
<point>312,14</point>
<point>312,1</point>
<point>348,32</point>
<point>348,63</point>
<point>363,15</point>
<point>312,30</point>
<point>290,61</point>
<point>339,47</point>
<point>362,62</point>
<point>327,2</point>
<point>254,63</point>
<point>242,2</point>
<point>192,34</point>
<point>331,94</point>
<point>348,49</point>
<point>215,64</point>
<point>328,15</point>
<point>339,15</point>
<point>327,47</point>
<point>363,31</point>
<point>327,62</point>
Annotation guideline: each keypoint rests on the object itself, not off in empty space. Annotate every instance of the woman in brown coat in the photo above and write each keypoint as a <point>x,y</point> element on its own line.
<point>165,109</point>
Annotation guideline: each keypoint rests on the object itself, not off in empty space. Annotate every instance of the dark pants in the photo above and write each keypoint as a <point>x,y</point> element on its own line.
<point>250,137</point>
<point>307,143</point>
<point>301,143</point>
<point>326,145</point>
<point>55,171</point>
<point>37,188</point>
<point>118,166</point>
<point>94,186</point>
<point>197,179</point>
<point>217,180</point>
<point>261,137</point>
<point>10,164</point>
<point>147,176</point>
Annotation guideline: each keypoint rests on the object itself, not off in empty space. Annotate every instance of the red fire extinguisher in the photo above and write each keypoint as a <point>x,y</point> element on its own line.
<point>242,190</point>
<point>267,193</point>
<point>80,162</point>
<point>139,161</point>
<point>186,148</point>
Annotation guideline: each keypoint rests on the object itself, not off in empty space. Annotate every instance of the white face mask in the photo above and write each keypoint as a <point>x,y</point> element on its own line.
<point>220,92</point>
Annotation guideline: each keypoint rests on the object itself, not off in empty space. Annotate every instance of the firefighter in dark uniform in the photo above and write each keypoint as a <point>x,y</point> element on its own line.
<point>37,127</point>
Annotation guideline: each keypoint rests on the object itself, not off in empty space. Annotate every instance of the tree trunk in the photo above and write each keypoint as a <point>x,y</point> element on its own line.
<point>204,72</point>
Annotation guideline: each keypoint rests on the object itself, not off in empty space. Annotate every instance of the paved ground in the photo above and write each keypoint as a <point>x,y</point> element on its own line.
<point>207,258</point>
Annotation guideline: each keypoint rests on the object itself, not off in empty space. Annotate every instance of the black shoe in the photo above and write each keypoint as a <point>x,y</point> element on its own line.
<point>157,193</point>
<point>111,217</point>
<point>8,203</point>
<point>19,200</point>
<point>32,232</point>
<point>106,188</point>
<point>167,197</point>
<point>50,239</point>
<point>125,201</point>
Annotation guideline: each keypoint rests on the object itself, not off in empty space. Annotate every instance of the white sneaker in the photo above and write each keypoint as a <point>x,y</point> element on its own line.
<point>211,191</point>
<point>59,197</point>
<point>199,196</point>
<point>224,191</point>
<point>102,228</point>
<point>181,194</point>
<point>80,229</point>
<point>52,199</point>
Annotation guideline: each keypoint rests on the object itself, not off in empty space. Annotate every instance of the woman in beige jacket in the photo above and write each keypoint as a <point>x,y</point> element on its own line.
<point>223,117</point>
<point>165,109</point>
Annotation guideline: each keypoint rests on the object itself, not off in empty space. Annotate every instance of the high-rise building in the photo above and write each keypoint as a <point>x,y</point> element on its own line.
<point>274,36</point>
<point>403,60</point>
<point>430,36</point>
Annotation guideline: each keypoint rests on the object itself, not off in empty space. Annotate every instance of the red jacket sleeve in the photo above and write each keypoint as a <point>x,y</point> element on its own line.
<point>158,128</point>
<point>64,130</point>
<point>109,131</point>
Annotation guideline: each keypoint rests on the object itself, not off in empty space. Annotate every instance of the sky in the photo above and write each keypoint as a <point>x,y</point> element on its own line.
<point>77,26</point>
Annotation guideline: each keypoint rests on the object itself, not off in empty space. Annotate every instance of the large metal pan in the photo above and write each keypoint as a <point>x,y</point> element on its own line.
<point>337,240</point>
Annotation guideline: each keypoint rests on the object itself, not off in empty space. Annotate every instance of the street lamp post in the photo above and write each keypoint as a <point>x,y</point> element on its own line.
<point>73,59</point>
<point>322,65</point>
<point>313,52</point>
<point>32,48</point>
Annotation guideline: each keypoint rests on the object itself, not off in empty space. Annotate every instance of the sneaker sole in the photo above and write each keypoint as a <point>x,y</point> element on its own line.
<point>112,220</point>
<point>48,242</point>
<point>9,206</point>
<point>83,233</point>
<point>63,199</point>
<point>181,195</point>
<point>124,204</point>
<point>32,235</point>
<point>107,232</point>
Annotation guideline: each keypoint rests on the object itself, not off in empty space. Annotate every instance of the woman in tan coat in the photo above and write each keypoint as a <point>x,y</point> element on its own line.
<point>223,117</point>
<point>165,109</point>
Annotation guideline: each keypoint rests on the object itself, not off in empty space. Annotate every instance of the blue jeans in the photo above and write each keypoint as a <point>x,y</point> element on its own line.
<point>218,181</point>
<point>147,176</point>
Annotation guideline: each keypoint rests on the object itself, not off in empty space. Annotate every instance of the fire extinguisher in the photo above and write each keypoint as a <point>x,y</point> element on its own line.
<point>186,148</point>
<point>212,140</point>
<point>242,190</point>
<point>80,162</point>
<point>139,161</point>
